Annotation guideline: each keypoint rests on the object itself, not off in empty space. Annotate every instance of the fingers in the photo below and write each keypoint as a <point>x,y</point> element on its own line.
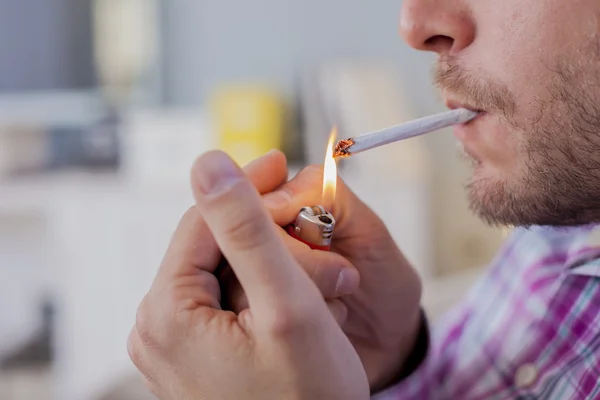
<point>305,189</point>
<point>268,172</point>
<point>192,246</point>
<point>337,308</point>
<point>360,230</point>
<point>191,250</point>
<point>331,273</point>
<point>245,233</point>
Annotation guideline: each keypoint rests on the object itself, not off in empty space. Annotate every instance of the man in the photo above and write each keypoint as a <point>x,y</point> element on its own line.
<point>529,329</point>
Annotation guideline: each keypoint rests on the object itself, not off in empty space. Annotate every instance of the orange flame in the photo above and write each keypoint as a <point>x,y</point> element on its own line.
<point>329,173</point>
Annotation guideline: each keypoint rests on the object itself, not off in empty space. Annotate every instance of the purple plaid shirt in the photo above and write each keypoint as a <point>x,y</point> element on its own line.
<point>529,329</point>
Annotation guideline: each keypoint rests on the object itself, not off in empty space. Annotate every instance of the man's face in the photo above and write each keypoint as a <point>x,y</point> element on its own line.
<point>533,68</point>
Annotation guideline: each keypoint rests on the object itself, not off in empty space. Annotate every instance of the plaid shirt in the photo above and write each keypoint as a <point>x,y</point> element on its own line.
<point>529,329</point>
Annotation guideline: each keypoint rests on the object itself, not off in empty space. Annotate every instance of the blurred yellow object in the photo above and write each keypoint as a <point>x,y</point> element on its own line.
<point>248,120</point>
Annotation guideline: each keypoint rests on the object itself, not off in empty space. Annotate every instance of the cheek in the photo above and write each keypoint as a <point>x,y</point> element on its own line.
<point>519,43</point>
<point>509,36</point>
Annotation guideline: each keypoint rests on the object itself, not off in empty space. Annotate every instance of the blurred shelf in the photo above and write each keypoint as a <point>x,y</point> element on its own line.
<point>26,384</point>
<point>39,192</point>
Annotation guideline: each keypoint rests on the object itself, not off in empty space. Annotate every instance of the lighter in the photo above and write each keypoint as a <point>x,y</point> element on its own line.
<point>313,227</point>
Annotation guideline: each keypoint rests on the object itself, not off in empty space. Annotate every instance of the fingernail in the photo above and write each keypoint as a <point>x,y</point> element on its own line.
<point>347,282</point>
<point>216,172</point>
<point>278,200</point>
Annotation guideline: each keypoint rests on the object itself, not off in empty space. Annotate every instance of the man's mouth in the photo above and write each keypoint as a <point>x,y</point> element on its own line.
<point>453,104</point>
<point>469,134</point>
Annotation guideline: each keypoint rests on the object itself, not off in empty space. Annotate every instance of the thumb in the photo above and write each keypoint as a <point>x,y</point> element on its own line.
<point>246,234</point>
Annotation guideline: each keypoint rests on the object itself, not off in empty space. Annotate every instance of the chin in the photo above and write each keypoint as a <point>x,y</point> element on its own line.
<point>493,199</point>
<point>482,175</point>
<point>503,203</point>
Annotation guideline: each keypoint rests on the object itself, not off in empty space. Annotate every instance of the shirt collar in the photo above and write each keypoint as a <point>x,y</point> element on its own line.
<point>584,257</point>
<point>579,246</point>
<point>582,247</point>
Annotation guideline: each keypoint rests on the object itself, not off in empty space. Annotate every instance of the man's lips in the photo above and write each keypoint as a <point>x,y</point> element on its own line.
<point>453,104</point>
<point>468,133</point>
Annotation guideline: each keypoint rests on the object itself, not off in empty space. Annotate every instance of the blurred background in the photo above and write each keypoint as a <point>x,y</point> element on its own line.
<point>105,104</point>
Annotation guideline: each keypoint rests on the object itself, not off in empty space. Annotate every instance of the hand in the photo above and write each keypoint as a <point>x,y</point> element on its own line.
<point>383,315</point>
<point>333,275</point>
<point>286,345</point>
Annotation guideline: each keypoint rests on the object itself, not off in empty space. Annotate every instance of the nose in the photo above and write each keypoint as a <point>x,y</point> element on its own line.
<point>442,26</point>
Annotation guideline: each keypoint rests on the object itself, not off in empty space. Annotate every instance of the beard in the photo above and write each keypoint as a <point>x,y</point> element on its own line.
<point>558,179</point>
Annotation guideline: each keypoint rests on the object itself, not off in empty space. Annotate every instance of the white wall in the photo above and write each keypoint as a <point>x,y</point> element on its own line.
<point>212,41</point>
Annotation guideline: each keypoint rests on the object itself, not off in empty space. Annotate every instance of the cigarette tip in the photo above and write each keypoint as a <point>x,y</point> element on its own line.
<point>342,148</point>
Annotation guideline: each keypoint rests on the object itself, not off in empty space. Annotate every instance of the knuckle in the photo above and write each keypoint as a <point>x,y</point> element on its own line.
<point>145,326</point>
<point>241,216</point>
<point>233,193</point>
<point>134,351</point>
<point>307,183</point>
<point>313,268</point>
<point>313,171</point>
<point>190,213</point>
<point>152,387</point>
<point>324,270</point>
<point>325,281</point>
<point>310,176</point>
<point>247,229</point>
<point>288,322</point>
<point>191,217</point>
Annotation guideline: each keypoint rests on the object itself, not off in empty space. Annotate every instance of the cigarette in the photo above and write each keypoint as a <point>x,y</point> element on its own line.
<point>352,146</point>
